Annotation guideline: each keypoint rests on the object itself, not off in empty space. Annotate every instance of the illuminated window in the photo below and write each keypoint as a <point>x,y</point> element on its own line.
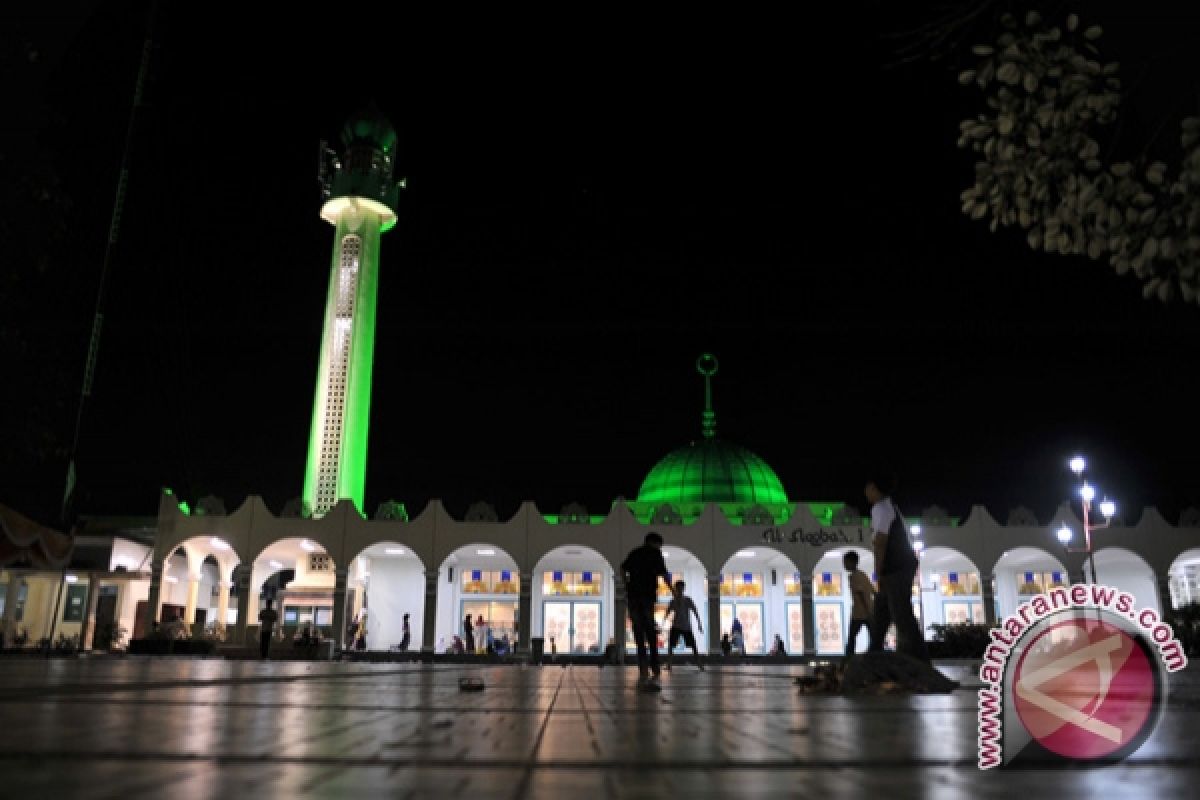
<point>827,584</point>
<point>506,582</point>
<point>1030,583</point>
<point>793,584</point>
<point>557,582</point>
<point>742,584</point>
<point>501,617</point>
<point>481,581</point>
<point>476,581</point>
<point>953,584</point>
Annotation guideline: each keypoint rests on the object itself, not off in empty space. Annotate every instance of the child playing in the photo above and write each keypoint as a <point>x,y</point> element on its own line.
<point>680,611</point>
<point>863,594</point>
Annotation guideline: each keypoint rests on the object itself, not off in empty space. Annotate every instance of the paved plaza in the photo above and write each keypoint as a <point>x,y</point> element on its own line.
<point>162,727</point>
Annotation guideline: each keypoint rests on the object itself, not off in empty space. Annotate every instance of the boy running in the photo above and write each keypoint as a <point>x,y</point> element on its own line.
<point>863,594</point>
<point>680,611</point>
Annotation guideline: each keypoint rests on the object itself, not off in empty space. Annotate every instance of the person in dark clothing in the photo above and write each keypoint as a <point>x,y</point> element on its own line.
<point>407,637</point>
<point>641,570</point>
<point>681,610</point>
<point>266,628</point>
<point>896,565</point>
<point>863,594</point>
<point>469,635</point>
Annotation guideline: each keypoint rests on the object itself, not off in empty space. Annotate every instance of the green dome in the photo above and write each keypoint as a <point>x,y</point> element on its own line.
<point>712,471</point>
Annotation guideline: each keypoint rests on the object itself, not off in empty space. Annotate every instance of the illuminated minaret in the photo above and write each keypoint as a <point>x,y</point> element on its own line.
<point>360,201</point>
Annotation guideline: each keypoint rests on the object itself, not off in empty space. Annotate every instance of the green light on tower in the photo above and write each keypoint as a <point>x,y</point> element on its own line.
<point>361,199</point>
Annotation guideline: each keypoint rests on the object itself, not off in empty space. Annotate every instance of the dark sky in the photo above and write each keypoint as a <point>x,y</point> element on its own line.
<point>592,203</point>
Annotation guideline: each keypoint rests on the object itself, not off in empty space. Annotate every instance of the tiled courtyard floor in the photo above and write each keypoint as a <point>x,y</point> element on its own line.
<point>177,728</point>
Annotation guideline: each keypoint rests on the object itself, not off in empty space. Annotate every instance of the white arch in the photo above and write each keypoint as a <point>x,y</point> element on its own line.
<point>768,604</point>
<point>683,565</point>
<point>833,603</point>
<point>173,591</point>
<point>1129,572</point>
<point>483,579</point>
<point>951,589</point>
<point>1022,572</point>
<point>573,598</point>
<point>1184,578</point>
<point>384,581</point>
<point>311,588</point>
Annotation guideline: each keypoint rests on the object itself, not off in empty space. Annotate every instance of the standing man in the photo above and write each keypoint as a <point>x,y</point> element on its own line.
<point>680,611</point>
<point>469,634</point>
<point>641,569</point>
<point>266,628</point>
<point>896,565</point>
<point>407,637</point>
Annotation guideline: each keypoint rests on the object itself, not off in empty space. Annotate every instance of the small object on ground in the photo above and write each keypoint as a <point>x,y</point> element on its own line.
<point>470,684</point>
<point>889,672</point>
<point>825,679</point>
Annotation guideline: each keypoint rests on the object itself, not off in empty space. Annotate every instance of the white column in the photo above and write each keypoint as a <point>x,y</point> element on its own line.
<point>429,629</point>
<point>242,574</point>
<point>10,607</point>
<point>88,633</point>
<point>809,608</point>
<point>189,614</point>
<point>713,583</point>
<point>222,603</point>
<point>339,608</point>
<point>989,598</point>
<point>525,613</point>
<point>154,600</point>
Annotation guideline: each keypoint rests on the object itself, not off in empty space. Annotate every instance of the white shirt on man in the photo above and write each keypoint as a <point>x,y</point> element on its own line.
<point>883,514</point>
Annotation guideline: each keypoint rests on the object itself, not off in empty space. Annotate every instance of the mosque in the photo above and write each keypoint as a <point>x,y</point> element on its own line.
<point>745,549</point>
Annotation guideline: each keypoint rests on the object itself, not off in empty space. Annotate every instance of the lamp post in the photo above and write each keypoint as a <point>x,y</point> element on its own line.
<point>1087,494</point>
<point>918,548</point>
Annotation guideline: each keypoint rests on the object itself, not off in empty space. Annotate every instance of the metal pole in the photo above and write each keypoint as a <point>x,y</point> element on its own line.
<point>1087,532</point>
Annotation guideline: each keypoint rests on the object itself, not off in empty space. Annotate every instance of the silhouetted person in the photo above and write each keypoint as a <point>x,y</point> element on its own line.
<point>681,611</point>
<point>641,569</point>
<point>407,637</point>
<point>266,628</point>
<point>896,565</point>
<point>862,594</point>
<point>468,634</point>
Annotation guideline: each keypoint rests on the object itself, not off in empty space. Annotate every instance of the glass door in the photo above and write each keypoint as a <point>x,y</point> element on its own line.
<point>585,631</point>
<point>795,628</point>
<point>830,628</point>
<point>751,617</point>
<point>556,626</point>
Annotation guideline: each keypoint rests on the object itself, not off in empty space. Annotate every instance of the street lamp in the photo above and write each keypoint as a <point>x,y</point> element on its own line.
<point>1087,494</point>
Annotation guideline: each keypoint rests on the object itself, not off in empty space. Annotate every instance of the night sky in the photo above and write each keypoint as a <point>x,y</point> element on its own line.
<point>592,202</point>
